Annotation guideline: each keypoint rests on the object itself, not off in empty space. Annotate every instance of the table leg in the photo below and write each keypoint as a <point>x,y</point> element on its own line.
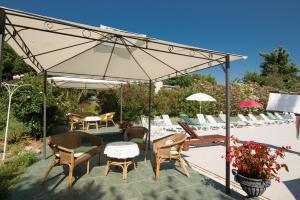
<point>107,168</point>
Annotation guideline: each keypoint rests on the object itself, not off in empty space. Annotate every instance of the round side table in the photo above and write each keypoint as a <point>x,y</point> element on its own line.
<point>91,120</point>
<point>121,154</point>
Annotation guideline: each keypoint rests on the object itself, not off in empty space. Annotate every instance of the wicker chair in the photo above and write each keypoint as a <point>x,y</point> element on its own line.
<point>137,135</point>
<point>169,148</point>
<point>75,119</point>
<point>107,117</point>
<point>71,149</point>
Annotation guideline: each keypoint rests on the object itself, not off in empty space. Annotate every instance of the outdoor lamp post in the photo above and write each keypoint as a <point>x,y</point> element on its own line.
<point>11,88</point>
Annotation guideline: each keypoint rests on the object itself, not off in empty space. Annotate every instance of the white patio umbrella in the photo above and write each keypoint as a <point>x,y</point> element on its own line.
<point>200,97</point>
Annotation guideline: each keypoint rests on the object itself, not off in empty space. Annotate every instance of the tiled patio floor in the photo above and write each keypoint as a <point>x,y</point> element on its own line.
<point>140,184</point>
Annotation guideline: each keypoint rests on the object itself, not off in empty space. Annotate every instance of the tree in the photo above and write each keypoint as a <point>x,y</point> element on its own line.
<point>278,62</point>
<point>254,77</point>
<point>190,79</point>
<point>277,71</point>
<point>13,64</point>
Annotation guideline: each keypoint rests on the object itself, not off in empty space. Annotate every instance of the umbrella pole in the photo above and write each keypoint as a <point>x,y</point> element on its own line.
<point>200,108</point>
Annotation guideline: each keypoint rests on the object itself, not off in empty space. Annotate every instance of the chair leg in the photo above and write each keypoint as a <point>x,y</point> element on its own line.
<point>157,170</point>
<point>182,165</point>
<point>106,123</point>
<point>88,166</point>
<point>113,122</point>
<point>53,163</point>
<point>99,159</point>
<point>145,154</point>
<point>70,178</point>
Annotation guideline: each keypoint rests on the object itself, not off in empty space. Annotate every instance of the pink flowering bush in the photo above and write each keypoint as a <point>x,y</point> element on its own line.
<point>255,160</point>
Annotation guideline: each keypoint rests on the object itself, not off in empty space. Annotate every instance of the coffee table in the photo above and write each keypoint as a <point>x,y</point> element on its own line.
<point>121,154</point>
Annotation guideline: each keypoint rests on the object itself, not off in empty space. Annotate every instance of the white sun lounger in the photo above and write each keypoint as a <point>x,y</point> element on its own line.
<point>169,125</point>
<point>254,119</point>
<point>244,119</point>
<point>203,123</point>
<point>214,123</point>
<point>238,124</point>
<point>293,116</point>
<point>281,118</point>
<point>267,119</point>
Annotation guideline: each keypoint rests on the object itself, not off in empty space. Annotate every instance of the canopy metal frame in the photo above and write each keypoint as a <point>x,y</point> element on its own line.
<point>114,39</point>
<point>107,37</point>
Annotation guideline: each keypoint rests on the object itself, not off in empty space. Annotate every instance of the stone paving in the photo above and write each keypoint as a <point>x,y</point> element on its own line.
<point>140,183</point>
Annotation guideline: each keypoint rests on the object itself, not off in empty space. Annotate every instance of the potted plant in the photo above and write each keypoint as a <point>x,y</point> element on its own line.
<point>123,124</point>
<point>255,165</point>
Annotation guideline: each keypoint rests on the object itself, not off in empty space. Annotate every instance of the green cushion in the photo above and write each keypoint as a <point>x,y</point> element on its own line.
<point>84,149</point>
<point>137,140</point>
<point>174,152</point>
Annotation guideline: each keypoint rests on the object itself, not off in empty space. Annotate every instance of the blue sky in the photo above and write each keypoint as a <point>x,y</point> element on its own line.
<point>241,27</point>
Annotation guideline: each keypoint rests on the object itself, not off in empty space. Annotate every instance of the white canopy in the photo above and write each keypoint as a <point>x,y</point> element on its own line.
<point>71,49</point>
<point>81,83</point>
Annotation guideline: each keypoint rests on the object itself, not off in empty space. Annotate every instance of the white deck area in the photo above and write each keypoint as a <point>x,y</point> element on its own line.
<point>210,157</point>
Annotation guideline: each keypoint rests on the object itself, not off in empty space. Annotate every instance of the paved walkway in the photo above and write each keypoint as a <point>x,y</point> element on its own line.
<point>209,157</point>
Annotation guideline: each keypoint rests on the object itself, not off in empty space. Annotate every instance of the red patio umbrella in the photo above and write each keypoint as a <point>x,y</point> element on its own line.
<point>249,104</point>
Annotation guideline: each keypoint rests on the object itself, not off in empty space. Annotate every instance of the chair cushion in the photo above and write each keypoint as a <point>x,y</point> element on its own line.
<point>174,152</point>
<point>137,140</point>
<point>82,149</point>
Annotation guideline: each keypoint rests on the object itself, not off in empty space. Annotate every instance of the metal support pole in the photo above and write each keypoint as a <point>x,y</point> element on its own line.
<point>149,117</point>
<point>227,143</point>
<point>11,89</point>
<point>2,32</point>
<point>7,123</point>
<point>45,114</point>
<point>121,99</point>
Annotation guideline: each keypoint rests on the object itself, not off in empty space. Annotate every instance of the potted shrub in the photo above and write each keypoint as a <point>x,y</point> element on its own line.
<point>255,165</point>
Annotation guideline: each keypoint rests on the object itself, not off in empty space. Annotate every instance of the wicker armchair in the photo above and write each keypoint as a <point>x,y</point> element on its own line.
<point>107,117</point>
<point>75,119</point>
<point>137,135</point>
<point>169,148</point>
<point>72,149</point>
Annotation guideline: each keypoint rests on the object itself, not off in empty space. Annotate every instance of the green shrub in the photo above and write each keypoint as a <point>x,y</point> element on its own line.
<point>15,132</point>
<point>28,106</point>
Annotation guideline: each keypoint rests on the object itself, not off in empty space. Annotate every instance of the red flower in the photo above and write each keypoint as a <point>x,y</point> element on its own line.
<point>256,160</point>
